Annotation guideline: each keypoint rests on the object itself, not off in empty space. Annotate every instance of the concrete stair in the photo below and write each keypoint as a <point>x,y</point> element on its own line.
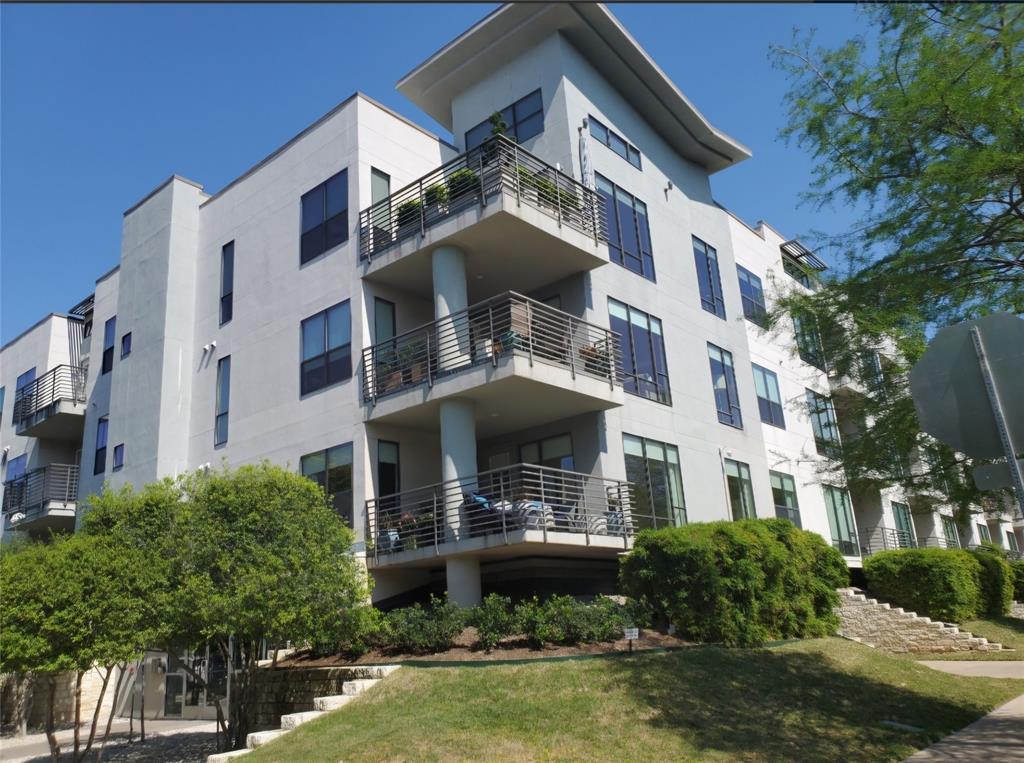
<point>369,676</point>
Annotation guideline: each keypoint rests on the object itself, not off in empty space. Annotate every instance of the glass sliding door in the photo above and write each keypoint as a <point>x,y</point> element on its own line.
<point>840,521</point>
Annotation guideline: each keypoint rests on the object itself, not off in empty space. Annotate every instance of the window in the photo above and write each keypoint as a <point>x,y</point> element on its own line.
<point>331,469</point>
<point>326,348</point>
<point>823,422</point>
<point>554,452</point>
<point>118,457</point>
<point>653,468</point>
<point>388,469</point>
<point>752,297</point>
<point>784,497</point>
<point>840,520</point>
<point>3,392</point>
<point>796,271</point>
<point>984,536</point>
<point>644,369</point>
<point>227,282</point>
<point>99,462</point>
<point>808,340</point>
<point>949,532</point>
<point>525,119</point>
<point>324,217</point>
<point>23,381</point>
<point>614,141</point>
<point>220,418</point>
<point>741,489</point>
<point>126,345</point>
<point>723,381</point>
<point>769,399</point>
<point>709,282</point>
<point>629,235</point>
<point>905,536</point>
<point>16,468</point>
<point>383,320</point>
<point>109,332</point>
<point>1011,542</point>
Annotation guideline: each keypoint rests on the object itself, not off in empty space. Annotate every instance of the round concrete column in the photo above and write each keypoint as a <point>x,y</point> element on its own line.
<point>448,266</point>
<point>458,459</point>
<point>463,580</point>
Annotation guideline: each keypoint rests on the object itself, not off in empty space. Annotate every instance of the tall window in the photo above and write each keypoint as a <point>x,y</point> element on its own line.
<point>984,536</point>
<point>723,381</point>
<point>741,489</point>
<point>109,333</point>
<point>629,235</point>
<point>99,461</point>
<point>324,217</point>
<point>326,348</point>
<point>808,340</point>
<point>220,421</point>
<point>22,381</point>
<point>644,369</point>
<point>384,327</point>
<point>1011,542</point>
<point>126,345</point>
<point>784,497</point>
<point>227,282</point>
<point>388,468</point>
<point>949,532</point>
<point>653,468</point>
<point>614,141</point>
<point>769,399</point>
<point>752,297</point>
<point>331,469</point>
<point>840,520</point>
<point>905,536</point>
<point>16,468</point>
<point>118,457</point>
<point>554,452</point>
<point>3,391</point>
<point>525,119</point>
<point>824,424</point>
<point>709,282</point>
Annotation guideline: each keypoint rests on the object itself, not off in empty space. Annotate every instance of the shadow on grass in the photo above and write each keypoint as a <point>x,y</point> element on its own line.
<point>790,705</point>
<point>1014,624</point>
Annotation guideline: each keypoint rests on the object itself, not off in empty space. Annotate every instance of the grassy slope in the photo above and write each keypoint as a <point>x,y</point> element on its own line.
<point>1008,631</point>
<point>820,700</point>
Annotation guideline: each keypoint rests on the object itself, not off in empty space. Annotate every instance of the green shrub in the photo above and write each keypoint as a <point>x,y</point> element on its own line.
<point>422,630</point>
<point>408,212</point>
<point>565,621</point>
<point>996,581</point>
<point>461,182</point>
<point>942,583</point>
<point>1018,579</point>
<point>493,620</point>
<point>737,583</point>
<point>435,194</point>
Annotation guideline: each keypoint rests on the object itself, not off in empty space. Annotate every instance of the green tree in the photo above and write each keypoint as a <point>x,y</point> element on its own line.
<point>925,131</point>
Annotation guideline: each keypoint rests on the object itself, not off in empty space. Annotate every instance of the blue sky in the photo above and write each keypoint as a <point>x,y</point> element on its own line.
<point>99,104</point>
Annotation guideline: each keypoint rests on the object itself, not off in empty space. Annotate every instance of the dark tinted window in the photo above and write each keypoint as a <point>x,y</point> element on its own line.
<point>324,217</point>
<point>769,398</point>
<point>709,282</point>
<point>227,282</point>
<point>723,381</point>
<point>220,420</point>
<point>752,296</point>
<point>824,424</point>
<point>109,333</point>
<point>99,464</point>
<point>332,470</point>
<point>126,345</point>
<point>629,234</point>
<point>615,142</point>
<point>644,369</point>
<point>525,119</point>
<point>326,348</point>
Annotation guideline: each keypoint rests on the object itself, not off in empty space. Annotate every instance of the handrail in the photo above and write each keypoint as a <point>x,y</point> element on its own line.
<point>503,502</point>
<point>62,382</point>
<point>485,332</point>
<point>882,538</point>
<point>497,165</point>
<point>29,493</point>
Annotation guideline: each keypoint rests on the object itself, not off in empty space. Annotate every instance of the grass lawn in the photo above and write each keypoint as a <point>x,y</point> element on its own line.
<point>1008,631</point>
<point>817,700</point>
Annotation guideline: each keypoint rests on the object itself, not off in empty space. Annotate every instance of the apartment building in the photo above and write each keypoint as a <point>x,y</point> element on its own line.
<point>503,356</point>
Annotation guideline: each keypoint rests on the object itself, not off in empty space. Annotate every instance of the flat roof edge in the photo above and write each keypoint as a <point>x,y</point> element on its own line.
<point>159,188</point>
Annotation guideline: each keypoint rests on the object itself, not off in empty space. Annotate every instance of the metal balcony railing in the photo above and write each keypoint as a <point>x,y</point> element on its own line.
<point>497,165</point>
<point>485,332</point>
<point>59,383</point>
<point>501,502</point>
<point>937,541</point>
<point>881,538</point>
<point>847,546</point>
<point>30,493</point>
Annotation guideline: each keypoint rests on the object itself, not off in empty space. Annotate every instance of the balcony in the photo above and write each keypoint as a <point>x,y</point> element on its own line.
<point>880,538</point>
<point>520,361</point>
<point>509,511</point>
<point>52,406</point>
<point>42,499</point>
<point>521,222</point>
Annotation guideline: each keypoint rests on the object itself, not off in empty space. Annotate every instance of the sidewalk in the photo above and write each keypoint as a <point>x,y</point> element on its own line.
<point>982,668</point>
<point>33,746</point>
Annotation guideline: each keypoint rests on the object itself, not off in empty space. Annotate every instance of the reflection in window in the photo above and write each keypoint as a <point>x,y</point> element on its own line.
<point>220,421</point>
<point>614,141</point>
<point>629,234</point>
<point>769,399</point>
<point>525,119</point>
<point>644,368</point>
<point>331,469</point>
<point>824,424</point>
<point>752,297</point>
<point>723,381</point>
<point>840,520</point>
<point>326,348</point>
<point>784,497</point>
<point>709,282</point>
<point>741,489</point>
<point>324,217</point>
<point>653,468</point>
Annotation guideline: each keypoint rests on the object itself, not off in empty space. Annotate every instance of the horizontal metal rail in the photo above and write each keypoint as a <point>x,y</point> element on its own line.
<point>937,541</point>
<point>59,383</point>
<point>881,538</point>
<point>786,512</point>
<point>30,493</point>
<point>498,165</point>
<point>500,503</point>
<point>485,332</point>
<point>847,547</point>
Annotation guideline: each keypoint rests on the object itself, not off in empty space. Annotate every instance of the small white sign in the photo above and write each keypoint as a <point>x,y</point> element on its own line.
<point>632,634</point>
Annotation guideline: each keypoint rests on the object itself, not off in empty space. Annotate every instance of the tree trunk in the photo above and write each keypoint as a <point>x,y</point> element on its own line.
<point>50,736</point>
<point>22,702</point>
<point>96,713</point>
<point>78,710</point>
<point>142,703</point>
<point>122,669</point>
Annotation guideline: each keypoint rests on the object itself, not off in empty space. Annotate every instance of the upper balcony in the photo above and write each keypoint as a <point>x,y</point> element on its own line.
<point>521,222</point>
<point>882,538</point>
<point>52,406</point>
<point>516,509</point>
<point>42,499</point>
<point>520,361</point>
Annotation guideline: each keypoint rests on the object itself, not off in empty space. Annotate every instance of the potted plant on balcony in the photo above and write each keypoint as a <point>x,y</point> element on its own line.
<point>435,200</point>
<point>596,358</point>
<point>407,216</point>
<point>462,184</point>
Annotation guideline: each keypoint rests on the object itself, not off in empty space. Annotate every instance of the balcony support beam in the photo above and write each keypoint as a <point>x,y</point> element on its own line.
<point>448,267</point>
<point>463,580</point>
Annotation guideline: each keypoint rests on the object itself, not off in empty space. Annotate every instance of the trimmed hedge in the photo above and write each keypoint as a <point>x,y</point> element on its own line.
<point>737,583</point>
<point>996,581</point>
<point>944,584</point>
<point>421,630</point>
<point>1018,579</point>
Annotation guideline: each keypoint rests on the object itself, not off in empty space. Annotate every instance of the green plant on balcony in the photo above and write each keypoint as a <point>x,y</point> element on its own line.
<point>412,360</point>
<point>541,187</point>
<point>408,213</point>
<point>461,183</point>
<point>435,195</point>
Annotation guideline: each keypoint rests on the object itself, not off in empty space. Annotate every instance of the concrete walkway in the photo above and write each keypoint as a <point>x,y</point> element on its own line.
<point>31,746</point>
<point>982,668</point>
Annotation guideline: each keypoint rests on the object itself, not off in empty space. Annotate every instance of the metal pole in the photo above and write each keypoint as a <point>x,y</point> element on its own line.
<point>1000,418</point>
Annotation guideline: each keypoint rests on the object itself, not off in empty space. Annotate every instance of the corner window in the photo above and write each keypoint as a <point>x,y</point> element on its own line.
<point>227,282</point>
<point>784,497</point>
<point>824,424</point>
<point>324,217</point>
<point>326,348</point>
<point>644,369</point>
<point>99,462</point>
<point>223,403</point>
<point>769,399</point>
<point>723,381</point>
<point>808,340</point>
<point>741,489</point>
<point>629,235</point>
<point>796,271</point>
<point>614,141</point>
<point>653,468</point>
<point>118,457</point>
<point>126,345</point>
<point>331,469</point>
<point>109,334</point>
<point>524,118</point>
<point>709,282</point>
<point>840,521</point>
<point>752,297</point>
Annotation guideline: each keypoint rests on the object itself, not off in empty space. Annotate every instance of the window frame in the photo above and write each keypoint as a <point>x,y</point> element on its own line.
<point>126,345</point>
<point>785,510</point>
<point>849,523</point>
<point>347,512</point>
<point>109,338</point>
<point>705,259</point>
<point>118,464</point>
<point>674,515</point>
<point>640,223</point>
<point>755,309</point>
<point>99,461</point>
<point>21,460</point>
<point>227,282</point>
<point>819,405</point>
<point>326,222</point>
<point>772,411</point>
<point>513,121</point>
<point>342,351</point>
<point>807,333</point>
<point>222,401</point>
<point>628,149</point>
<point>733,415</point>
<point>632,382</point>
<point>745,485</point>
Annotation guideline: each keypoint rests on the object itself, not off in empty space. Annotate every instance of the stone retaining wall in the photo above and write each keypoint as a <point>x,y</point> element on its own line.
<point>1017,610</point>
<point>282,691</point>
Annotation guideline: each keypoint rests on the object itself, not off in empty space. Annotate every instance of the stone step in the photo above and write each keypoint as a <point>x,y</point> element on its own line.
<point>223,757</point>
<point>333,702</point>
<point>358,686</point>
<point>260,738</point>
<point>290,721</point>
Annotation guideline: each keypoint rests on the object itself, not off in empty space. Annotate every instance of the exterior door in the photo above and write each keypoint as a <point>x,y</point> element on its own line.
<point>174,695</point>
<point>904,525</point>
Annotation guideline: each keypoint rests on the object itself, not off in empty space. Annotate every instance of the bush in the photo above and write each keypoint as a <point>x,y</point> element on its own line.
<point>1018,579</point>
<point>996,581</point>
<point>461,182</point>
<point>422,630</point>
<point>942,583</point>
<point>408,212</point>
<point>737,583</point>
<point>493,620</point>
<point>565,621</point>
